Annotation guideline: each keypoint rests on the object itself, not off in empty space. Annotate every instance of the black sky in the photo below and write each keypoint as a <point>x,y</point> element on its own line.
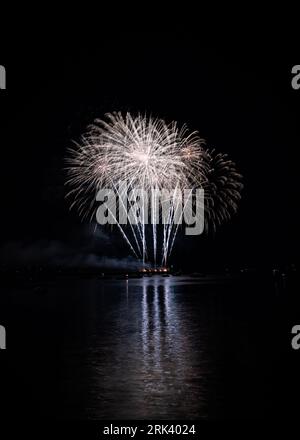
<point>239,99</point>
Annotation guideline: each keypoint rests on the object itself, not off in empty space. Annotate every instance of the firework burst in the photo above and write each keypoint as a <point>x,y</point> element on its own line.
<point>147,153</point>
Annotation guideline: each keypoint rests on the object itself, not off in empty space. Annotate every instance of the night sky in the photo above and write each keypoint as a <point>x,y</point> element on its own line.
<point>240,100</point>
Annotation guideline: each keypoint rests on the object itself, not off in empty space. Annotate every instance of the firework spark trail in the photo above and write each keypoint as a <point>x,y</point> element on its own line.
<point>148,154</point>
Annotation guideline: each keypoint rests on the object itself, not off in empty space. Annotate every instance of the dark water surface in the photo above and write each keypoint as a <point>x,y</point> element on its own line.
<point>160,347</point>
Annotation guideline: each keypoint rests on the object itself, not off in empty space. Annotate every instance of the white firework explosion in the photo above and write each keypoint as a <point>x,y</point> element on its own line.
<point>147,153</point>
